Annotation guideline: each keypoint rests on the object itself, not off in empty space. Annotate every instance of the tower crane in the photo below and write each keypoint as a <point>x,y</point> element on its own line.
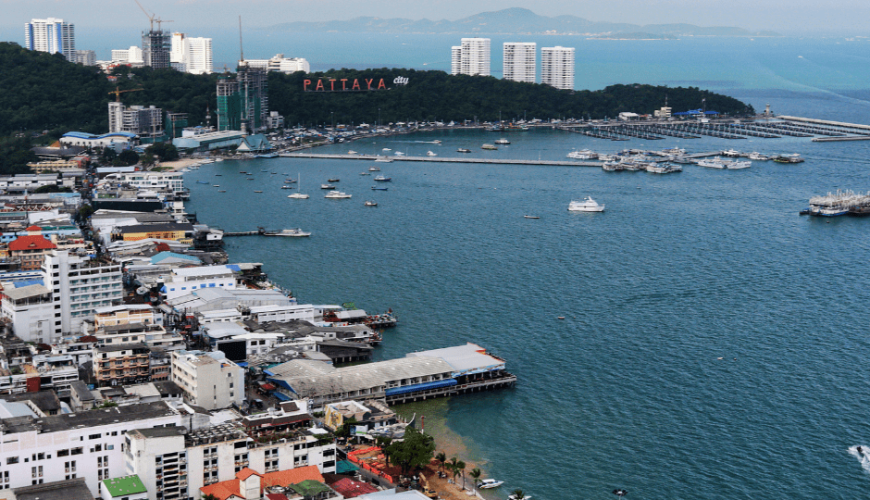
<point>118,92</point>
<point>153,18</point>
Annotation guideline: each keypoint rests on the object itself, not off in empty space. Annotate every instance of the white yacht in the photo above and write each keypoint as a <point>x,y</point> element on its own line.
<point>712,163</point>
<point>758,156</point>
<point>337,195</point>
<point>430,153</point>
<point>290,233</point>
<point>587,205</point>
<point>297,195</point>
<point>487,484</point>
<point>583,154</point>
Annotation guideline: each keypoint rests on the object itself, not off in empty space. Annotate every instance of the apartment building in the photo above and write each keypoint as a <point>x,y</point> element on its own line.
<point>121,364</point>
<point>208,379</point>
<point>280,63</point>
<point>30,249</point>
<point>51,35</point>
<point>520,61</point>
<point>557,67</point>
<point>472,57</point>
<point>79,286</point>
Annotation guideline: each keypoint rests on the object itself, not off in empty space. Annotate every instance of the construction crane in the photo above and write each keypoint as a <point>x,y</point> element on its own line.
<point>118,92</point>
<point>153,18</point>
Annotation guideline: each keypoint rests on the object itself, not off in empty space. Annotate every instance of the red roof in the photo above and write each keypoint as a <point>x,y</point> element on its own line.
<point>222,490</point>
<point>30,242</point>
<point>349,488</point>
<point>246,473</point>
<point>34,228</point>
<point>291,476</point>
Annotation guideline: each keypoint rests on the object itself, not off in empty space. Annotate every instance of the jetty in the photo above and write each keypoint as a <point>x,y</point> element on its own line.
<point>441,159</point>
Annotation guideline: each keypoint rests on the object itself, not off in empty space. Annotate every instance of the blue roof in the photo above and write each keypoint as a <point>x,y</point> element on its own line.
<point>421,387</point>
<point>234,267</point>
<point>165,255</point>
<point>22,283</point>
<point>85,135</point>
<point>281,397</point>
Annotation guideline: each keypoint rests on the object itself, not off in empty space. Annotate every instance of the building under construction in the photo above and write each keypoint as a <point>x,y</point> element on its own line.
<point>156,45</point>
<point>243,100</point>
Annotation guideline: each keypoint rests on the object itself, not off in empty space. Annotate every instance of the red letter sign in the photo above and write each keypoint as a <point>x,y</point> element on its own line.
<point>305,84</point>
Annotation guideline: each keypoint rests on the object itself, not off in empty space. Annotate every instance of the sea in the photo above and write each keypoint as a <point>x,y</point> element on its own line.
<point>714,342</point>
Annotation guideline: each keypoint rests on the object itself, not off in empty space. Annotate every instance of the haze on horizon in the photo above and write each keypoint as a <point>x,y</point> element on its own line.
<point>790,17</point>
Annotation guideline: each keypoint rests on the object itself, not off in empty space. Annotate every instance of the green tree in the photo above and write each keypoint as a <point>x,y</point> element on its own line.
<point>166,151</point>
<point>517,494</point>
<point>441,457</point>
<point>345,430</point>
<point>52,188</point>
<point>412,452</point>
<point>475,474</point>
<point>128,157</point>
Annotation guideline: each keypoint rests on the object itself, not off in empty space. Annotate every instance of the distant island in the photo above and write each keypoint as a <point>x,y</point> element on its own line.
<point>514,21</point>
<point>633,36</point>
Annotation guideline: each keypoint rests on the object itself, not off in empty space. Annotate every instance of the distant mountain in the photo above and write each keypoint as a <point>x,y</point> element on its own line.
<point>511,21</point>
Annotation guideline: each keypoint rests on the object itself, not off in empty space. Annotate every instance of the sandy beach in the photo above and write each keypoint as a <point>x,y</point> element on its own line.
<point>179,164</point>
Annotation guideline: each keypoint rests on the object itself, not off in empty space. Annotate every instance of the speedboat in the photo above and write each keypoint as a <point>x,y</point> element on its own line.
<point>371,204</point>
<point>430,153</point>
<point>487,484</point>
<point>381,178</point>
<point>364,173</point>
<point>374,169</point>
<point>352,152</point>
<point>291,233</point>
<point>399,153</point>
<point>463,150</point>
<point>587,205</point>
<point>285,186</point>
<point>531,217</point>
<point>502,141</point>
<point>378,188</point>
<point>383,160</point>
<point>337,195</point>
<point>327,186</point>
<point>386,149</point>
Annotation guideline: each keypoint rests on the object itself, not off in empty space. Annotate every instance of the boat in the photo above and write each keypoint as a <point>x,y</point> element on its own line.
<point>378,188</point>
<point>285,186</point>
<point>583,154</point>
<point>266,155</point>
<point>795,158</point>
<point>364,173</point>
<point>758,157</point>
<point>514,497</point>
<point>712,163</point>
<point>371,203</point>
<point>463,150</point>
<point>489,147</point>
<point>218,175</point>
<point>258,191</point>
<point>337,195</point>
<point>336,179</point>
<point>297,195</point>
<point>663,168</point>
<point>327,186</point>
<point>352,152</point>
<point>430,153</point>
<point>587,205</point>
<point>436,141</point>
<point>502,141</point>
<point>531,217</point>
<point>738,165</point>
<point>383,160</point>
<point>216,185</point>
<point>386,149</point>
<point>219,159</point>
<point>399,153</point>
<point>613,166</point>
<point>374,169</point>
<point>289,181</point>
<point>249,179</point>
<point>381,178</point>
<point>839,203</point>
<point>291,233</point>
<point>487,484</point>
<point>222,191</point>
<point>731,153</point>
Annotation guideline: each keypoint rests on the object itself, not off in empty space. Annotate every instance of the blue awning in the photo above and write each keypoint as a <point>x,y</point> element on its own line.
<point>281,396</point>
<point>408,389</point>
<point>243,364</point>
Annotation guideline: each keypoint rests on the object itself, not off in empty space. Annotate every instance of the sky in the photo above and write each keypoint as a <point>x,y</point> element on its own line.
<point>842,17</point>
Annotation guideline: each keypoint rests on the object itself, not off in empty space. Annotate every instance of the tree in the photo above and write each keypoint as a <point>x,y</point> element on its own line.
<point>166,151</point>
<point>412,452</point>
<point>128,157</point>
<point>109,155</point>
<point>344,431</point>
<point>457,467</point>
<point>52,188</point>
<point>517,494</point>
<point>441,457</point>
<point>475,474</point>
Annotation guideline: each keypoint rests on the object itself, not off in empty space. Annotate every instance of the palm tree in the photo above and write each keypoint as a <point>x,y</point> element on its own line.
<point>475,474</point>
<point>441,457</point>
<point>460,468</point>
<point>517,494</point>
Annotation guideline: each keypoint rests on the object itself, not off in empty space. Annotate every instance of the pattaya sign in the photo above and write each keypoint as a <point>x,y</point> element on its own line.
<point>348,85</point>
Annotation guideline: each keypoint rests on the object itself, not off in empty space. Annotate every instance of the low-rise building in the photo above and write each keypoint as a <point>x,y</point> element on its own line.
<point>183,281</point>
<point>30,310</point>
<point>30,249</point>
<point>123,488</point>
<point>121,364</point>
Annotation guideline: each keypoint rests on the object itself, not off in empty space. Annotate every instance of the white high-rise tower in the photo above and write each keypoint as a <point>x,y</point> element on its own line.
<point>557,67</point>
<point>470,58</point>
<point>51,35</point>
<point>519,61</point>
<point>197,55</point>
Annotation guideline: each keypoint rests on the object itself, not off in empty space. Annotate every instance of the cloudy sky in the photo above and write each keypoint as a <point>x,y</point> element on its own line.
<point>845,17</point>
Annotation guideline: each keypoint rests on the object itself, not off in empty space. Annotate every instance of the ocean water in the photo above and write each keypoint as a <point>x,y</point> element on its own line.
<point>681,270</point>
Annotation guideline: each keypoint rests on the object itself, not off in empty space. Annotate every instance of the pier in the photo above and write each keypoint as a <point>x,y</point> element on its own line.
<point>437,159</point>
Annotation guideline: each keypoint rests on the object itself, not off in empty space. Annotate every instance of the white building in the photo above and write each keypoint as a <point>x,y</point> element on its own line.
<point>176,53</point>
<point>193,55</point>
<point>89,445</point>
<point>474,57</point>
<point>156,181</point>
<point>79,286</point>
<point>146,122</point>
<point>280,63</point>
<point>183,281</point>
<point>520,61</point>
<point>86,57</point>
<point>455,60</point>
<point>133,55</point>
<point>30,310</point>
<point>51,35</point>
<point>557,67</point>
<point>208,379</point>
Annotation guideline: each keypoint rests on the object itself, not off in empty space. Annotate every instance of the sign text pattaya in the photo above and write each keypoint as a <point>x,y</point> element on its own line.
<point>348,85</point>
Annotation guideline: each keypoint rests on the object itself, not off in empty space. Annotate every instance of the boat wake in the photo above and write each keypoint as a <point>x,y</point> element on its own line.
<point>862,457</point>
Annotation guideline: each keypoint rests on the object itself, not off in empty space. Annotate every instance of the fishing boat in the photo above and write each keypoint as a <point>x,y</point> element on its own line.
<point>337,195</point>
<point>381,178</point>
<point>502,141</point>
<point>531,217</point>
<point>840,203</point>
<point>463,150</point>
<point>378,188</point>
<point>587,205</point>
<point>297,195</point>
<point>335,179</point>
<point>290,233</point>
<point>327,186</point>
<point>371,203</point>
<point>489,147</point>
<point>487,484</point>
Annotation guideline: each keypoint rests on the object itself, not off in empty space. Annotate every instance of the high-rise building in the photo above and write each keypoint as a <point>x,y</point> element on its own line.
<point>455,60</point>
<point>51,35</point>
<point>243,101</point>
<point>197,55</point>
<point>155,49</point>
<point>176,53</point>
<point>86,57</point>
<point>519,61</point>
<point>133,55</point>
<point>557,67</point>
<point>474,56</point>
<point>147,123</point>
<point>280,63</point>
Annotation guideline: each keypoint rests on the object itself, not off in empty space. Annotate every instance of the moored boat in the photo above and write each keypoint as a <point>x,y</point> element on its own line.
<point>290,233</point>
<point>587,205</point>
<point>337,195</point>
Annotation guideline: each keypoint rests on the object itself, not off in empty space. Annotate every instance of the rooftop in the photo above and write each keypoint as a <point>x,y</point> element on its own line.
<point>122,486</point>
<point>71,489</point>
<point>93,418</point>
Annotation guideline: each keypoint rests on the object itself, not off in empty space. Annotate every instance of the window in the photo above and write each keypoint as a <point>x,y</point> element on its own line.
<point>95,436</point>
<point>11,460</point>
<point>77,451</point>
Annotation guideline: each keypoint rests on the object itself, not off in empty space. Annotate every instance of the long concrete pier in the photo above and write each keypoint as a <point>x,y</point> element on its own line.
<point>438,159</point>
<point>826,122</point>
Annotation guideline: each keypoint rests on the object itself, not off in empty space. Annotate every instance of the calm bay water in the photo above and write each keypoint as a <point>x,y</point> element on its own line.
<point>628,390</point>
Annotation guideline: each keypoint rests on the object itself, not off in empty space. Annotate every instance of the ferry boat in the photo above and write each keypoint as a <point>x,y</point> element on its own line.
<point>337,195</point>
<point>502,141</point>
<point>587,205</point>
<point>463,150</point>
<point>290,233</point>
<point>489,147</point>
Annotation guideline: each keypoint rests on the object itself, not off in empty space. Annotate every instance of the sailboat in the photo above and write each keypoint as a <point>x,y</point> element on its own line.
<point>298,195</point>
